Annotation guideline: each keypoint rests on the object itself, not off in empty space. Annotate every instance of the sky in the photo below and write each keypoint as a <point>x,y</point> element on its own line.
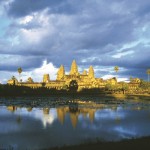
<point>40,35</point>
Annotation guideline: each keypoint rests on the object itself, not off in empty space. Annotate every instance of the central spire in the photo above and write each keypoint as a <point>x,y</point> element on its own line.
<point>91,72</point>
<point>74,68</point>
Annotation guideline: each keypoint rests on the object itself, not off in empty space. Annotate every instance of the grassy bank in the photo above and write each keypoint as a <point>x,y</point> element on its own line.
<point>142,143</point>
<point>15,91</point>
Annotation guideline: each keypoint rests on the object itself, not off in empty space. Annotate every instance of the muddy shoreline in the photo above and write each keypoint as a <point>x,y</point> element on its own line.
<point>141,143</point>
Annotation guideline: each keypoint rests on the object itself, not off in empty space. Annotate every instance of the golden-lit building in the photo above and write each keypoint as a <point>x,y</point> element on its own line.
<point>84,80</point>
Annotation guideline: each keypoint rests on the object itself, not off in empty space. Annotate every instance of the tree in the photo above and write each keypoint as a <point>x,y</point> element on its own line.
<point>124,87</point>
<point>73,86</point>
<point>148,72</point>
<point>144,85</point>
<point>19,71</point>
<point>112,87</point>
<point>116,69</point>
<point>131,79</point>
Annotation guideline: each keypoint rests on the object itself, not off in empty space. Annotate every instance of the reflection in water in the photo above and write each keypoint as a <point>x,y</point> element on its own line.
<point>12,108</point>
<point>61,114</point>
<point>29,109</point>
<point>46,111</point>
<point>53,123</point>
<point>73,111</point>
<point>18,119</point>
<point>76,109</point>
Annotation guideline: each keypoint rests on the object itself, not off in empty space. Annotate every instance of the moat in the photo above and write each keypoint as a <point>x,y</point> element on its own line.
<point>43,122</point>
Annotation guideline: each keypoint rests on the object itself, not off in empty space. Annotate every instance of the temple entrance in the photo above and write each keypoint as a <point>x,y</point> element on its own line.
<point>73,86</point>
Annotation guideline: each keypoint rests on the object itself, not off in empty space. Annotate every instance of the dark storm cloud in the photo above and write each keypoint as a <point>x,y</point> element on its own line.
<point>96,35</point>
<point>14,61</point>
<point>25,7</point>
<point>95,32</point>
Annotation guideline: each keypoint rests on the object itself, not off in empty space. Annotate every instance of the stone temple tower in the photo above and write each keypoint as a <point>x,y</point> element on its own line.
<point>61,73</point>
<point>74,68</point>
<point>84,72</point>
<point>91,72</point>
<point>46,78</point>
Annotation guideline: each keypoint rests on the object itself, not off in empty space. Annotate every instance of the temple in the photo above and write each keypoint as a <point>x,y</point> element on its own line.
<point>84,80</point>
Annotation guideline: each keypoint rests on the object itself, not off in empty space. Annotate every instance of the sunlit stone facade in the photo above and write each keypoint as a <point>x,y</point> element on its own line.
<point>86,79</point>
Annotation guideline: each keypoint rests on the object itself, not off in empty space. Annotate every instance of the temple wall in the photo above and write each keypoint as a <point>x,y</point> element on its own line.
<point>85,80</point>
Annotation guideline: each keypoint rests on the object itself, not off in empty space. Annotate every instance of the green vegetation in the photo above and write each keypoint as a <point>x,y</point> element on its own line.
<point>19,71</point>
<point>116,68</point>
<point>73,86</point>
<point>12,90</point>
<point>148,72</point>
<point>120,87</point>
<point>144,87</point>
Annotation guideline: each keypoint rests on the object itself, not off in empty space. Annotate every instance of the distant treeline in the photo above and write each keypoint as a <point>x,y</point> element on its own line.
<point>13,90</point>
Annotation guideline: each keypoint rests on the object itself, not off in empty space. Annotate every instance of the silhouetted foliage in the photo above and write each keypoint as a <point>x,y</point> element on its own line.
<point>144,85</point>
<point>119,87</point>
<point>92,90</point>
<point>73,107</point>
<point>73,86</point>
<point>12,90</point>
<point>148,73</point>
<point>20,71</point>
<point>116,68</point>
<point>111,87</point>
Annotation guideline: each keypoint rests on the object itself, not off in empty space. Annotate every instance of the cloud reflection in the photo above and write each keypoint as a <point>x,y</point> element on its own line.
<point>74,122</point>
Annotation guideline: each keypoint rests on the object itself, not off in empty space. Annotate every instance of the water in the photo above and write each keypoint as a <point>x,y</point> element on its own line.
<point>36,123</point>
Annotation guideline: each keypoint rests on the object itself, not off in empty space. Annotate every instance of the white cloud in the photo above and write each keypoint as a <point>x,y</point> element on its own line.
<point>129,45</point>
<point>26,19</point>
<point>119,55</point>
<point>41,25</point>
<point>90,59</point>
<point>37,113</point>
<point>46,119</point>
<point>37,73</point>
<point>107,76</point>
<point>34,35</point>
<point>5,75</point>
